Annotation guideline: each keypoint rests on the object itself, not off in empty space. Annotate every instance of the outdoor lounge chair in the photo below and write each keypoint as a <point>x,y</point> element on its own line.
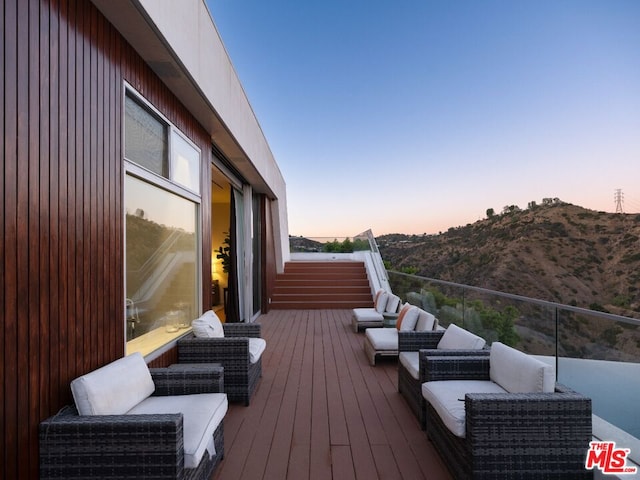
<point>504,417</point>
<point>236,346</point>
<point>130,421</point>
<point>414,347</point>
<point>383,342</point>
<point>383,303</point>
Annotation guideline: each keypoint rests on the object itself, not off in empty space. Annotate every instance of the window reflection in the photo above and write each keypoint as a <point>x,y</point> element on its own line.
<point>185,163</point>
<point>161,259</point>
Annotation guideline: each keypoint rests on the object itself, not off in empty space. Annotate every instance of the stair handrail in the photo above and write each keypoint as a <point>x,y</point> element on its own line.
<point>380,270</point>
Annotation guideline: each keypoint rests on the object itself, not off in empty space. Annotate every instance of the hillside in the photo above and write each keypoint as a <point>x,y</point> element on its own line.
<point>555,251</point>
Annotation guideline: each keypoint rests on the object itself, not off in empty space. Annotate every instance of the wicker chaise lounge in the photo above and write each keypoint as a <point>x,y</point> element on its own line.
<point>413,349</point>
<point>503,434</point>
<point>176,432</point>
<point>383,303</point>
<point>383,342</point>
<point>239,351</point>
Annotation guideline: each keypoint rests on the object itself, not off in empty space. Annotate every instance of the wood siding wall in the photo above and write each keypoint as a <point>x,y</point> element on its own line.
<point>61,245</point>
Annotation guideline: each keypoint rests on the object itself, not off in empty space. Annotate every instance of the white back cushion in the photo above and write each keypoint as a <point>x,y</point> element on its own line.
<point>208,326</point>
<point>381,301</point>
<point>517,372</point>
<point>459,338</point>
<point>426,322</point>
<point>113,389</point>
<point>393,302</point>
<point>408,318</point>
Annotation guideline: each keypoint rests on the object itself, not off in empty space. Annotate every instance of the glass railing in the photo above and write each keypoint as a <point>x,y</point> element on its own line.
<point>595,353</point>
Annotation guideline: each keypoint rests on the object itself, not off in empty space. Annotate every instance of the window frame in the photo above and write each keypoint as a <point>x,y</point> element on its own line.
<point>130,168</point>
<point>166,182</point>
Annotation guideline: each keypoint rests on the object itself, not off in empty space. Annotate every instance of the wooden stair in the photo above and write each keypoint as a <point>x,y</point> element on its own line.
<point>322,285</point>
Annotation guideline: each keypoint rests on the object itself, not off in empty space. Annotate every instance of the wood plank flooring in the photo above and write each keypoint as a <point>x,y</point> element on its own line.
<point>322,412</point>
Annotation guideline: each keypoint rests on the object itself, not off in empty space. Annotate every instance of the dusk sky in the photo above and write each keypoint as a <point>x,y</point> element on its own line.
<point>415,116</point>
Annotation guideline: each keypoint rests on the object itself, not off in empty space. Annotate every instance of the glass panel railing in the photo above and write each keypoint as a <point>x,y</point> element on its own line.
<point>599,356</point>
<point>595,353</point>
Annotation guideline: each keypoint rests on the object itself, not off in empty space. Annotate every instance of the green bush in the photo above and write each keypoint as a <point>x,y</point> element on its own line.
<point>346,246</point>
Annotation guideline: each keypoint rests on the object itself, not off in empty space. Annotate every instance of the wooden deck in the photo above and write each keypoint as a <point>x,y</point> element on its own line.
<point>322,412</point>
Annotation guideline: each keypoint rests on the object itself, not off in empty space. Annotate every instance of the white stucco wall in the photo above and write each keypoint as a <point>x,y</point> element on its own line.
<point>186,26</point>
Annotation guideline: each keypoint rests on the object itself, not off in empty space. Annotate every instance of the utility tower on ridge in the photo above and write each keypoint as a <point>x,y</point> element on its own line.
<point>619,199</point>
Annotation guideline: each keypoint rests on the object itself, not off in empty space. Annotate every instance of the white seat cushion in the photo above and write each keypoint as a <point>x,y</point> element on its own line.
<point>256,347</point>
<point>383,338</point>
<point>517,372</point>
<point>367,315</point>
<point>202,413</point>
<point>411,361</point>
<point>113,389</point>
<point>458,338</point>
<point>447,398</point>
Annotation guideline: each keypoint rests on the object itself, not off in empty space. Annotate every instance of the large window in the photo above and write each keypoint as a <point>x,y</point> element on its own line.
<point>162,243</point>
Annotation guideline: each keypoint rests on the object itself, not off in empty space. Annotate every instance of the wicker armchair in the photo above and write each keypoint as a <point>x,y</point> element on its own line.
<point>512,435</point>
<point>130,445</point>
<point>425,343</point>
<point>232,352</point>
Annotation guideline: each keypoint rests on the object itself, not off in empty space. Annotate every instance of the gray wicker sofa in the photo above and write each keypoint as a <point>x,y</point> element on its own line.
<point>413,349</point>
<point>176,432</point>
<point>506,434</point>
<point>233,351</point>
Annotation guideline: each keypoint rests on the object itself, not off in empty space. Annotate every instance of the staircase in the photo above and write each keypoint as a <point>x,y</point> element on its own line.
<point>322,285</point>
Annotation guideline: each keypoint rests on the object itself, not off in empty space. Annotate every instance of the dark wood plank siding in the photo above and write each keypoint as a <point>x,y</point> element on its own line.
<point>3,244</point>
<point>61,181</point>
<point>166,359</point>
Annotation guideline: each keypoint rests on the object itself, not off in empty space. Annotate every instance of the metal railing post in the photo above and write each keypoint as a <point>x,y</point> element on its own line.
<point>557,315</point>
<point>464,309</point>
